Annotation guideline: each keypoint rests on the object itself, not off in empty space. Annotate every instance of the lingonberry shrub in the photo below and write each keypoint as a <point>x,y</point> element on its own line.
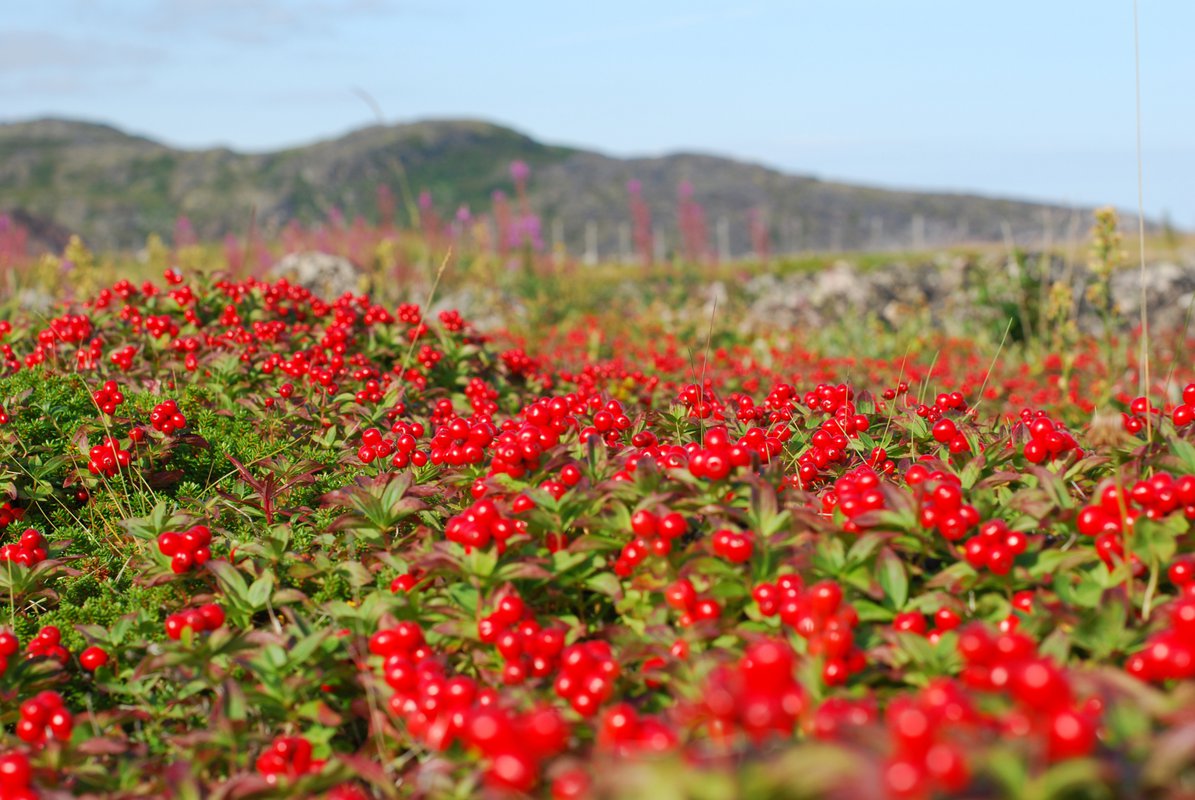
<point>467,561</point>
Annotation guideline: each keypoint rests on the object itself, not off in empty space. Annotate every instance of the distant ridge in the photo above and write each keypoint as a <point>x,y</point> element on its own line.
<point>115,188</point>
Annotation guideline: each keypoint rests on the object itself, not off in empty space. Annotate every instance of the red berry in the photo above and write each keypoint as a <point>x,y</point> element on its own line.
<point>93,658</point>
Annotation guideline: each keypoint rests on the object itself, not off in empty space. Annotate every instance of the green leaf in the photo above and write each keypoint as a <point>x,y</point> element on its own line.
<point>481,562</point>
<point>301,650</point>
<point>871,612</point>
<point>1185,452</point>
<point>233,701</point>
<point>259,592</point>
<point>606,583</point>
<point>1085,592</point>
<point>564,560</point>
<point>893,578</point>
<point>1154,541</point>
<point>863,547</point>
<point>830,556</point>
<point>1052,562</point>
<point>1077,777</point>
<point>916,647</point>
<point>231,580</point>
<point>1057,646</point>
<point>1103,631</point>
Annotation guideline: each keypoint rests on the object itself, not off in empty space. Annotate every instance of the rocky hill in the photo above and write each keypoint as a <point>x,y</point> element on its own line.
<point>114,188</point>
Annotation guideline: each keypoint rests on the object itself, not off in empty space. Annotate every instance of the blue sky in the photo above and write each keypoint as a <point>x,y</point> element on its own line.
<point>1025,98</point>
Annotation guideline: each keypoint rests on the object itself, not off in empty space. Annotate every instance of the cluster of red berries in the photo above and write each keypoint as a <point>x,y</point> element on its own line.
<point>166,417</point>
<point>10,514</point>
<point>435,707</point>
<point>525,647</point>
<point>717,456</point>
<point>29,550</point>
<point>941,502</point>
<point>587,674</point>
<point>9,645</point>
<point>1141,410</point>
<point>517,449</point>
<point>73,328</point>
<point>829,399</point>
<point>402,648</point>
<point>1169,654</point>
<point>452,320</point>
<point>670,456</point>
<point>428,357</point>
<point>16,777</point>
<point>701,401</point>
<point>518,363</point>
<point>759,695</point>
<point>371,393</point>
<point>830,443</point>
<point>819,616</point>
<point>914,622</point>
<point>206,618</point>
<point>462,440</point>
<point>945,401</point>
<point>925,758</point>
<point>1184,413</point>
<point>855,493</point>
<point>122,358</point>
<point>653,533</point>
<point>1162,494</point>
<point>626,732</point>
<point>1048,440</point>
<point>482,397</point>
<point>107,458</point>
<point>945,431</point>
<point>1008,663</point>
<point>406,446</point>
<point>996,547</point>
<point>160,326</point>
<point>288,757</point>
<point>682,596</point>
<point>734,546</point>
<point>47,643</point>
<point>1117,511</point>
<point>481,523</point>
<point>837,715</point>
<point>515,745</point>
<point>42,717</point>
<point>373,446</point>
<point>186,550</point>
<point>108,397</point>
<point>608,424</point>
<point>409,313</point>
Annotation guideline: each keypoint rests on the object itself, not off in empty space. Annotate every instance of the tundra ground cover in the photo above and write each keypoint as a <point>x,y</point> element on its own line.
<point>258,544</point>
